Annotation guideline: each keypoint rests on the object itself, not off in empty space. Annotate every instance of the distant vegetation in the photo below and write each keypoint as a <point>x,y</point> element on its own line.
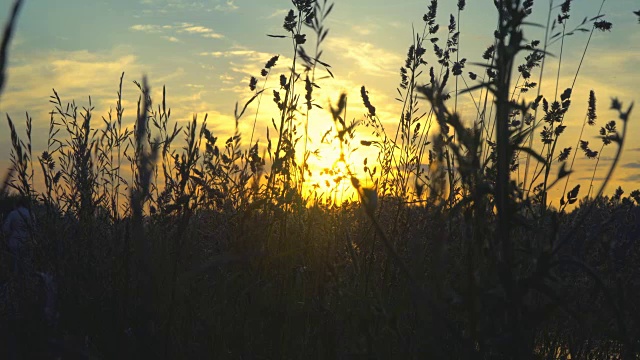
<point>212,247</point>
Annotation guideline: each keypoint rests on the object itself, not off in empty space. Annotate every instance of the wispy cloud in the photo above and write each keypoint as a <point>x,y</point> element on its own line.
<point>168,6</point>
<point>229,5</point>
<point>74,75</point>
<point>178,28</point>
<point>363,55</point>
<point>213,36</point>
<point>234,53</point>
<point>200,30</point>
<point>227,79</point>
<point>249,62</point>
<point>361,30</point>
<point>171,38</point>
<point>150,29</point>
<point>196,30</point>
<point>278,13</point>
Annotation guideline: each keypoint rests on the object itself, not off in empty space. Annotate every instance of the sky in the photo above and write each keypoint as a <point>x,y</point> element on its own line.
<point>205,51</point>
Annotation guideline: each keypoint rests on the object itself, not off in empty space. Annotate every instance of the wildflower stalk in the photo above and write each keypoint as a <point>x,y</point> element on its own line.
<point>540,80</point>
<point>589,118</point>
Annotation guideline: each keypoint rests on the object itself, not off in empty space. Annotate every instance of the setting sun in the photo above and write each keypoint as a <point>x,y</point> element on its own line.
<point>302,179</point>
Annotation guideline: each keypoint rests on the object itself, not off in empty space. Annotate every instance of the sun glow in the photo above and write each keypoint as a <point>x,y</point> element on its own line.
<point>331,170</point>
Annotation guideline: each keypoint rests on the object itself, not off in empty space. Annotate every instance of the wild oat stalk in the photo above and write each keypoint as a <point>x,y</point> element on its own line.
<point>20,159</point>
<point>4,55</point>
<point>146,158</point>
<point>6,40</point>
<point>286,176</point>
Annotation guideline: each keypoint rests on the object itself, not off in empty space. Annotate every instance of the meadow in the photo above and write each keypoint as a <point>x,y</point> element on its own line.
<point>165,241</point>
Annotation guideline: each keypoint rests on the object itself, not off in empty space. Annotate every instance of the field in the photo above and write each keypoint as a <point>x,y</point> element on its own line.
<point>460,236</point>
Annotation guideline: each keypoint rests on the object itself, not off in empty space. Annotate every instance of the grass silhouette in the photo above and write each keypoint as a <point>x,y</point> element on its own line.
<point>170,242</point>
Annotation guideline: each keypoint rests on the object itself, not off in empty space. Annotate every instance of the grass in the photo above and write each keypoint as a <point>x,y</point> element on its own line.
<point>212,247</point>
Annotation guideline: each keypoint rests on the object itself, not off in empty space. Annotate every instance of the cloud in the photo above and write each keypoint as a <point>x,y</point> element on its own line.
<point>171,38</point>
<point>633,165</point>
<point>588,178</point>
<point>361,30</point>
<point>164,6</point>
<point>150,29</point>
<point>69,71</point>
<point>74,75</point>
<point>229,5</point>
<point>213,36</point>
<point>227,79</point>
<point>195,29</point>
<point>278,13</point>
<point>248,62</point>
<point>177,28</point>
<point>199,30</point>
<point>235,53</point>
<point>365,56</point>
<point>169,6</point>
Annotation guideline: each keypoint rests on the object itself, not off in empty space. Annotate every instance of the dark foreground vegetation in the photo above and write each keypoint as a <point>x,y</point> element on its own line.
<point>165,242</point>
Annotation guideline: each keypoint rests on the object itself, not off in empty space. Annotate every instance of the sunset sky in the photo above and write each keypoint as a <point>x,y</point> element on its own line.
<point>206,51</point>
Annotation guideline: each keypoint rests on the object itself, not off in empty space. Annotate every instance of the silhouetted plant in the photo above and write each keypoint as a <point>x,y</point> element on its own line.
<point>185,243</point>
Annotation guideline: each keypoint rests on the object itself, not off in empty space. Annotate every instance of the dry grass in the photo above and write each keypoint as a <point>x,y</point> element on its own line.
<point>211,248</point>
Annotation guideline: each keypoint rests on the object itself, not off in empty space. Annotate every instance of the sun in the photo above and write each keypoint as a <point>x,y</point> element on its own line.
<point>331,171</point>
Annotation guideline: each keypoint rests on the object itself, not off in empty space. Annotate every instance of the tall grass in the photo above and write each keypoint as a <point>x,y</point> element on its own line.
<point>175,242</point>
